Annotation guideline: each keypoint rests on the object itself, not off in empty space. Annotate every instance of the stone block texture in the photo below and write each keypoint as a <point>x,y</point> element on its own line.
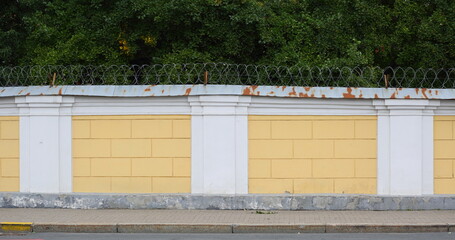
<point>444,155</point>
<point>9,154</point>
<point>312,154</point>
<point>132,154</point>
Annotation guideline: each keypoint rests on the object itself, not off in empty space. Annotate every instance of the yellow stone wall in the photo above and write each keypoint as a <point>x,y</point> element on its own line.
<point>9,154</point>
<point>132,154</point>
<point>444,155</point>
<point>312,154</point>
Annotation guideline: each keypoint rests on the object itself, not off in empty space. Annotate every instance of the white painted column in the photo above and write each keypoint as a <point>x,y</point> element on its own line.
<point>219,144</point>
<point>45,144</point>
<point>405,146</point>
<point>383,148</point>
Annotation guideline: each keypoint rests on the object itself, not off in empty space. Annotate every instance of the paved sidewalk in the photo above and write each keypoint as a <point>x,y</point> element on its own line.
<point>106,220</point>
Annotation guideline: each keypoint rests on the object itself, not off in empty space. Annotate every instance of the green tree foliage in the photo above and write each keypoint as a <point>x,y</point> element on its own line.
<point>414,33</point>
<point>11,32</point>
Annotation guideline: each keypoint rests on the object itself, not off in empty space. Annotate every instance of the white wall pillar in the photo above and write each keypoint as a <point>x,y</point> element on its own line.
<point>219,144</point>
<point>405,146</point>
<point>45,144</point>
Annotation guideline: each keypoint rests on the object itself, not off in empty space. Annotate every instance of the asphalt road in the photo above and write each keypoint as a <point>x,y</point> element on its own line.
<point>323,236</point>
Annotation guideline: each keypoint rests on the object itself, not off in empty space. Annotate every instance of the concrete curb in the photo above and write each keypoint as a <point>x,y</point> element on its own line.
<point>387,228</point>
<point>229,228</point>
<point>75,228</point>
<point>278,228</point>
<point>16,226</point>
<point>174,228</point>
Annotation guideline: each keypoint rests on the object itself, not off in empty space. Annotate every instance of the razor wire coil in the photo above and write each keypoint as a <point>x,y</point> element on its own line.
<point>227,74</point>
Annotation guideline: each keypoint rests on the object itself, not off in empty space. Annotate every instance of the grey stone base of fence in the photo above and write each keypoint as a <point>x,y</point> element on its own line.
<point>227,202</point>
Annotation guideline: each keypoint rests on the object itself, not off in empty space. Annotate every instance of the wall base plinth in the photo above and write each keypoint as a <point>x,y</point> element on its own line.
<point>227,202</point>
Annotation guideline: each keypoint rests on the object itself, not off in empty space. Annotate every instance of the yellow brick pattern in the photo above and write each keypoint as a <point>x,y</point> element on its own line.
<point>312,154</point>
<point>132,154</point>
<point>444,155</point>
<point>9,154</point>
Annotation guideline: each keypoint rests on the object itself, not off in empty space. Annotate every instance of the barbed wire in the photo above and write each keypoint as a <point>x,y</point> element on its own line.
<point>230,74</point>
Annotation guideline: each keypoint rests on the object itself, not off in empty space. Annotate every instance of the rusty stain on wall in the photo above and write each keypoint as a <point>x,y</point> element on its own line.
<point>247,91</point>
<point>198,90</point>
<point>293,92</point>
<point>348,93</point>
<point>250,91</point>
<point>423,90</point>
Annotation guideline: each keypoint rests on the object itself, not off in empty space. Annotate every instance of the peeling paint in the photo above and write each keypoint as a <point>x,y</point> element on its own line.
<point>188,91</point>
<point>376,96</point>
<point>60,91</point>
<point>407,97</point>
<point>393,95</point>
